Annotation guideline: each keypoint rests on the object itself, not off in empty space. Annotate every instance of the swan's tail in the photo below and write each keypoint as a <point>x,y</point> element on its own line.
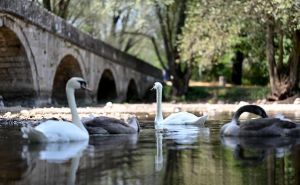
<point>33,135</point>
<point>281,117</point>
<point>202,120</point>
<point>134,122</point>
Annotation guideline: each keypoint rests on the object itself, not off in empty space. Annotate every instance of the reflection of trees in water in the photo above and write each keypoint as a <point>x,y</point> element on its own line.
<point>296,157</point>
<point>13,168</point>
<point>109,167</point>
<point>112,160</point>
<point>173,174</point>
<point>295,165</point>
<point>284,170</point>
<point>211,164</point>
<point>120,161</point>
<point>182,167</point>
<point>262,163</point>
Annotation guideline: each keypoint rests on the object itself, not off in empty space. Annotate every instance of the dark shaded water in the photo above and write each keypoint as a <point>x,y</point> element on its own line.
<point>192,155</point>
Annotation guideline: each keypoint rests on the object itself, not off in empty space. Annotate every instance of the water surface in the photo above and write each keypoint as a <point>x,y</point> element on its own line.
<point>185,155</point>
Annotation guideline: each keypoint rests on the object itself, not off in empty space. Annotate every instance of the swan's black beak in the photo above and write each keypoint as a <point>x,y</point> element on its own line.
<point>153,88</point>
<point>84,86</point>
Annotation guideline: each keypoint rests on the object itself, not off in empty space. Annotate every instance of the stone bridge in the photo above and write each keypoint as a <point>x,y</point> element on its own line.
<point>39,52</point>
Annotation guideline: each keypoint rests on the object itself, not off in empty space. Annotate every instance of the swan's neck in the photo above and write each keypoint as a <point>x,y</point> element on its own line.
<point>72,104</point>
<point>159,116</point>
<point>234,122</point>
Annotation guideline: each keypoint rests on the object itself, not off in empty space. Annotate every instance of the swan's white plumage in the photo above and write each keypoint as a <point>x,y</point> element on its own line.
<point>174,118</point>
<point>55,131</point>
<point>60,131</point>
<point>184,118</point>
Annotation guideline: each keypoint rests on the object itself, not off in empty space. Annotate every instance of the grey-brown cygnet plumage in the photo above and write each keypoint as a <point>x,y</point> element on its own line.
<point>260,127</point>
<point>107,125</point>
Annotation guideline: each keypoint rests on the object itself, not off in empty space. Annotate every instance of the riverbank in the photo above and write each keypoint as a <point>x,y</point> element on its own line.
<point>142,111</point>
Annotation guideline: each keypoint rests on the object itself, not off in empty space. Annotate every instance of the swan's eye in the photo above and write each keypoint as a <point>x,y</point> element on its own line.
<point>82,84</point>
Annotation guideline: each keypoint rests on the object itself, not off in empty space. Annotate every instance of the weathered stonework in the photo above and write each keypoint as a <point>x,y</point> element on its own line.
<point>40,51</point>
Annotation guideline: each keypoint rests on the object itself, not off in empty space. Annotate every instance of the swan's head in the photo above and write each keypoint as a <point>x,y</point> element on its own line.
<point>157,85</point>
<point>230,129</point>
<point>76,83</point>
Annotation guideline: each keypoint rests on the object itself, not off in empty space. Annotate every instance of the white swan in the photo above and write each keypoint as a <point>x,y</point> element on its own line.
<point>174,118</point>
<point>61,131</point>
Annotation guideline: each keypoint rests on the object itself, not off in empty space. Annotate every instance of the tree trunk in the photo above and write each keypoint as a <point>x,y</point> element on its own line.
<point>293,62</point>
<point>63,6</point>
<point>181,80</point>
<point>283,79</point>
<point>237,68</point>
<point>47,4</point>
<point>179,70</point>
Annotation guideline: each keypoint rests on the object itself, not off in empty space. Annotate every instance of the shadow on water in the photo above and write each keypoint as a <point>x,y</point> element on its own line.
<point>186,154</point>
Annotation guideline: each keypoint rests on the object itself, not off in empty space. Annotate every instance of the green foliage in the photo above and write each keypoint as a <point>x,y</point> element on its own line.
<point>167,92</point>
<point>285,12</point>
<point>209,29</point>
<point>213,94</point>
<point>226,94</point>
<point>216,70</point>
<point>124,24</point>
<point>255,73</point>
<point>206,40</point>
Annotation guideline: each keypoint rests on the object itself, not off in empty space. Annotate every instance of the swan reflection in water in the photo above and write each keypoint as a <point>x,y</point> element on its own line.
<point>57,153</point>
<point>183,137</point>
<point>261,147</point>
<point>61,160</point>
<point>278,155</point>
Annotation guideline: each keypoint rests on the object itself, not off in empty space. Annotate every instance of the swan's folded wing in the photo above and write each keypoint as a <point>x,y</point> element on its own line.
<point>256,124</point>
<point>33,135</point>
<point>260,123</point>
<point>111,125</point>
<point>286,124</point>
<point>104,120</point>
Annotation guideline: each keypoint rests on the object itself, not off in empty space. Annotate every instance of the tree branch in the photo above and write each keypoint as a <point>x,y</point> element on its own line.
<point>163,28</point>
<point>154,45</point>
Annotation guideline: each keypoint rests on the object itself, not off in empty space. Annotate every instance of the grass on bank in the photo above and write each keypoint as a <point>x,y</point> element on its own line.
<point>214,94</point>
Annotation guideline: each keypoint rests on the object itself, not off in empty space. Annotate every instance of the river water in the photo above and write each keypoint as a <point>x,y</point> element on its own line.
<point>185,155</point>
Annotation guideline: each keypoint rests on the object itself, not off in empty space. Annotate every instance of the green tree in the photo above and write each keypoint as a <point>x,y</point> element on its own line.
<point>212,31</point>
<point>120,23</point>
<point>281,21</point>
<point>171,17</point>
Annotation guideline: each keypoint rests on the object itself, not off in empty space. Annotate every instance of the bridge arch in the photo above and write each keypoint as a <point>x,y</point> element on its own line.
<point>67,68</point>
<point>132,92</point>
<point>149,95</point>
<point>107,90</point>
<point>18,74</point>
